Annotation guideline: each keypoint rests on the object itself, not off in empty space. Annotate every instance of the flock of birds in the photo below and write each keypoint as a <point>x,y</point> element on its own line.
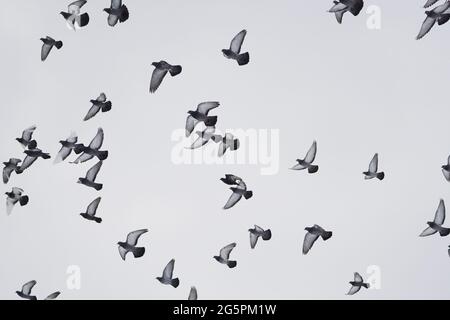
<point>118,12</point>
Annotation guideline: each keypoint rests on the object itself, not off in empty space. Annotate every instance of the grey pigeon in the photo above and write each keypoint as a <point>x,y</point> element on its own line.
<point>74,18</point>
<point>239,190</point>
<point>98,104</point>
<point>193,294</point>
<point>257,232</point>
<point>53,295</point>
<point>130,245</point>
<point>92,210</point>
<point>436,225</point>
<point>48,44</point>
<point>226,142</point>
<point>201,115</point>
<point>66,147</point>
<point>203,137</point>
<point>161,69</point>
<point>25,293</point>
<point>357,283</point>
<point>91,175</point>
<point>117,12</point>
<point>224,256</point>
<point>10,166</point>
<point>26,141</point>
<point>429,3</point>
<point>446,170</point>
<point>440,14</point>
<point>313,233</point>
<point>234,52</point>
<point>87,153</point>
<point>31,156</point>
<point>373,170</point>
<point>13,197</point>
<point>342,6</point>
<point>306,163</point>
<point>231,179</point>
<point>167,276</point>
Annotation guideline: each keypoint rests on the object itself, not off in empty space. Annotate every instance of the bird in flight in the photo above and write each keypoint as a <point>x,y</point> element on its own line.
<point>167,276</point>
<point>234,52</point>
<point>98,104</point>
<point>117,12</point>
<point>91,175</point>
<point>258,232</point>
<point>203,137</point>
<point>193,294</point>
<point>92,210</point>
<point>201,115</point>
<point>11,166</point>
<point>14,197</point>
<point>239,190</point>
<point>342,6</point>
<point>436,225</point>
<point>224,256</point>
<point>66,147</point>
<point>226,142</point>
<point>357,283</point>
<point>373,170</point>
<point>160,71</point>
<point>74,18</point>
<point>440,14</point>
<point>26,141</point>
<point>313,233</point>
<point>306,163</point>
<point>130,245</point>
<point>25,293</point>
<point>48,44</point>
<point>87,153</point>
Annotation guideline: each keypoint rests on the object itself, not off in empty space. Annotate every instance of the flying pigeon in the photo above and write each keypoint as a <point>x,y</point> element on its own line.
<point>357,283</point>
<point>342,6</point>
<point>446,170</point>
<point>257,232</point>
<point>48,44</point>
<point>91,175</point>
<point>16,195</point>
<point>161,69</point>
<point>98,104</point>
<point>235,49</point>
<point>92,150</point>
<point>27,138</point>
<point>224,256</point>
<point>373,170</point>
<point>201,115</point>
<point>238,191</point>
<point>166,277</point>
<point>313,233</point>
<point>430,3</point>
<point>73,17</point>
<point>436,225</point>
<point>306,163</point>
<point>92,210</point>
<point>130,244</point>
<point>441,14</point>
<point>31,156</point>
<point>117,12</point>
<point>67,146</point>
<point>53,295</point>
<point>193,294</point>
<point>231,179</point>
<point>10,166</point>
<point>203,137</point>
<point>25,293</point>
<point>226,142</point>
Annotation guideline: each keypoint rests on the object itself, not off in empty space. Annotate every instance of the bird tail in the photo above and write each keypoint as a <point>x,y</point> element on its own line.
<point>175,70</point>
<point>84,19</point>
<point>243,59</point>
<point>103,155</point>
<point>380,175</point>
<point>32,144</point>
<point>444,232</point>
<point>98,220</point>
<point>23,200</point>
<point>107,106</point>
<point>248,194</point>
<point>46,156</point>
<point>267,235</point>
<point>327,235</point>
<point>98,186</point>
<point>443,19</point>
<point>58,44</point>
<point>138,252</point>
<point>313,169</point>
<point>211,121</point>
<point>231,264</point>
<point>124,14</point>
<point>175,282</point>
<point>366,285</point>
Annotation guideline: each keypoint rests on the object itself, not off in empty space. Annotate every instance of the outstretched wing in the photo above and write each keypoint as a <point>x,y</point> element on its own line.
<point>26,288</point>
<point>193,294</point>
<point>191,122</point>
<point>237,41</point>
<point>234,198</point>
<point>27,134</point>
<point>311,154</point>
<point>439,216</point>
<point>358,277</point>
<point>92,112</point>
<point>253,239</point>
<point>133,236</point>
<point>91,175</point>
<point>373,166</point>
<point>97,142</point>
<point>157,77</point>
<point>207,106</point>
<point>53,296</point>
<point>427,24</point>
<point>92,208</point>
<point>27,162</point>
<point>74,7</point>
<point>168,270</point>
<point>309,241</point>
<point>353,290</point>
<point>225,251</point>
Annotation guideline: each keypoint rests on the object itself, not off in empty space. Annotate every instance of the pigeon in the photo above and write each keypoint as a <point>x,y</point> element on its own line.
<point>130,245</point>
<point>27,138</point>
<point>436,225</point>
<point>92,150</point>
<point>73,17</point>
<point>238,191</point>
<point>357,283</point>
<point>430,3</point>
<point>226,142</point>
<point>201,115</point>
<point>373,170</point>
<point>91,211</point>
<point>446,170</point>
<point>231,179</point>
<point>31,156</point>
<point>203,137</point>
<point>313,233</point>
<point>306,163</point>
<point>53,295</point>
<point>91,175</point>
<point>441,14</point>
<point>342,6</point>
<point>25,293</point>
<point>10,166</point>
<point>224,256</point>
<point>16,195</point>
<point>193,294</point>
<point>257,232</point>
<point>166,277</point>
<point>161,69</point>
<point>98,104</point>
<point>117,12</point>
<point>48,44</point>
<point>235,49</point>
<point>67,146</point>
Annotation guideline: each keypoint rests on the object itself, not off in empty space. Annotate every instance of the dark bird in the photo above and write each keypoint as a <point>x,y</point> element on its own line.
<point>193,294</point>
<point>235,49</point>
<point>92,210</point>
<point>231,179</point>
<point>13,197</point>
<point>25,293</point>
<point>91,175</point>
<point>342,6</point>
<point>98,104</point>
<point>161,69</point>
<point>313,233</point>
<point>238,191</point>
<point>436,225</point>
<point>26,140</point>
<point>53,295</point>
<point>306,163</point>
<point>10,166</point>
<point>130,244</point>
<point>31,156</point>
<point>257,232</point>
<point>167,275</point>
<point>92,150</point>
<point>441,14</point>
<point>67,146</point>
<point>117,12</point>
<point>446,170</point>
<point>201,115</point>
<point>48,44</point>
<point>203,137</point>
<point>429,3</point>
<point>224,256</point>
<point>357,283</point>
<point>226,142</point>
<point>373,170</point>
<point>73,16</point>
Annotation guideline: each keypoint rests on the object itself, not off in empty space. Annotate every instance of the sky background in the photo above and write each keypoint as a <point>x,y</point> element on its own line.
<point>356,91</point>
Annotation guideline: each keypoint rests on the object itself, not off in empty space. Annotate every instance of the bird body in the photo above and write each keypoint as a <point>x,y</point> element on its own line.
<point>167,276</point>
<point>201,115</point>
<point>117,12</point>
<point>160,71</point>
<point>91,175</point>
<point>234,52</point>
<point>130,245</point>
<point>48,44</point>
<point>357,284</point>
<point>373,170</point>
<point>435,226</point>
<point>306,163</point>
<point>313,233</point>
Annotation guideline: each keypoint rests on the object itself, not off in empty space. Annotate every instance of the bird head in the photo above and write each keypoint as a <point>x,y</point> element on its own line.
<point>190,112</point>
<point>107,10</point>
<point>155,64</point>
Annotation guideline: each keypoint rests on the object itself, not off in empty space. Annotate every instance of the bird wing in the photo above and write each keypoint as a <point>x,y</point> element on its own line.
<point>339,16</point>
<point>92,208</point>
<point>73,138</point>
<point>112,20</point>
<point>199,142</point>
<point>439,217</point>
<point>91,175</point>
<point>338,7</point>
<point>45,50</point>
<point>446,174</point>
<point>123,252</point>
<point>253,239</point>
<point>10,205</point>
<point>191,122</point>
<point>231,179</point>
<point>222,149</point>
<point>430,3</point>
<point>168,270</point>
<point>237,41</point>
<point>116,4</point>
<point>53,296</point>
<point>234,198</point>
<point>427,24</point>
<point>357,277</point>
<point>27,134</point>
<point>62,155</point>
<point>353,290</point>
<point>133,237</point>
<point>74,7</point>
<point>26,288</point>
<point>193,294</point>
<point>309,241</point>
<point>225,251</point>
<point>92,112</point>
<point>101,97</point>
<point>311,154</point>
<point>427,232</point>
<point>373,166</point>
<point>83,158</point>
<point>7,170</point>
<point>157,77</point>
<point>97,142</point>
<point>205,107</point>
<point>27,162</point>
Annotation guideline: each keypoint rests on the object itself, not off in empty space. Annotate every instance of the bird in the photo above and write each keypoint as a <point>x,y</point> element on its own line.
<point>203,137</point>
<point>193,294</point>
<point>87,153</point>
<point>160,71</point>
<point>67,146</point>
<point>11,166</point>
<point>224,256</point>
<point>357,283</point>
<point>201,115</point>
<point>446,170</point>
<point>448,251</point>
<point>167,275</point>
<point>92,210</point>
<point>25,293</point>
<point>91,175</point>
<point>306,163</point>
<point>13,197</point>
<point>231,179</point>
<point>117,12</point>
<point>226,142</point>
<point>342,6</point>
<point>26,141</point>
<point>234,52</point>
<point>429,3</point>
<point>130,245</point>
<point>239,190</point>
<point>441,14</point>
<point>313,233</point>
<point>98,104</point>
<point>436,225</point>
<point>48,44</point>
<point>53,295</point>
<point>257,232</point>
<point>31,156</point>
<point>73,17</point>
<point>373,170</point>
